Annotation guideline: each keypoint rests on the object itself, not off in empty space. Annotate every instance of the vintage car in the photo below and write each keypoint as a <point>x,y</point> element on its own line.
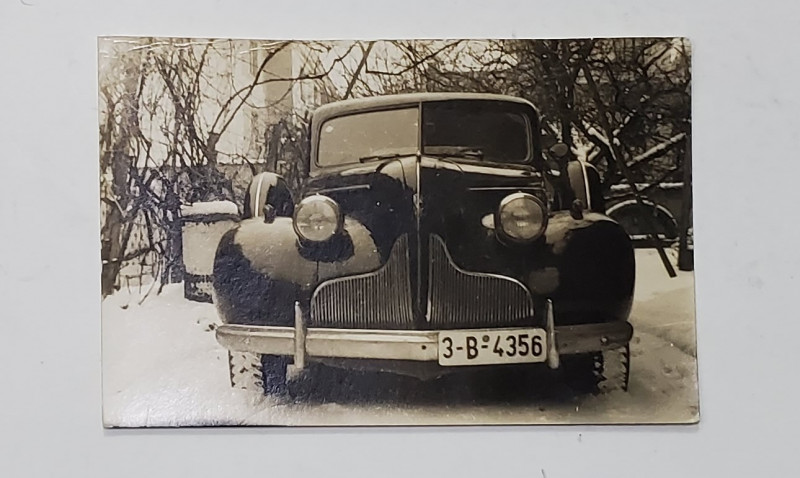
<point>431,235</point>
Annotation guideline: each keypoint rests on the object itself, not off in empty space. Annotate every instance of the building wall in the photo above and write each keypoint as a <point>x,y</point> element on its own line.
<point>267,104</point>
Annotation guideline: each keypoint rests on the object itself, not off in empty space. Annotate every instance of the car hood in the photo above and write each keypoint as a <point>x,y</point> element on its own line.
<point>423,195</point>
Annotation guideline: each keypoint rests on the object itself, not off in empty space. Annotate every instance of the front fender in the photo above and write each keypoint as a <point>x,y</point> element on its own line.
<point>261,268</point>
<point>590,272</point>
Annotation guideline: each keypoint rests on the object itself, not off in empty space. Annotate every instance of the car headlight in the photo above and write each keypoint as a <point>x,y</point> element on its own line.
<point>317,218</point>
<point>521,218</point>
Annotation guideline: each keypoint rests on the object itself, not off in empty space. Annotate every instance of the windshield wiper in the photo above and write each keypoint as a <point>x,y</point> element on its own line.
<point>457,153</point>
<point>380,157</point>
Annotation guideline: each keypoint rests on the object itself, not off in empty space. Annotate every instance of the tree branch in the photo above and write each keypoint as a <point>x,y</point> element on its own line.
<point>352,82</point>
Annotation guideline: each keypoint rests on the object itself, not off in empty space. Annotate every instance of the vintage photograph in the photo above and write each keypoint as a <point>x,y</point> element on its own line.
<point>396,232</point>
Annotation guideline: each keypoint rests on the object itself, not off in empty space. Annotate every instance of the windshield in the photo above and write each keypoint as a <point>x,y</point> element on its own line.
<point>371,135</point>
<point>490,131</point>
<point>479,130</point>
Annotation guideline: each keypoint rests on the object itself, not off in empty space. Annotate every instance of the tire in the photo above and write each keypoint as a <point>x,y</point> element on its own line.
<point>264,374</point>
<point>598,372</point>
<point>630,215</point>
<point>245,371</point>
<point>616,370</point>
<point>582,373</point>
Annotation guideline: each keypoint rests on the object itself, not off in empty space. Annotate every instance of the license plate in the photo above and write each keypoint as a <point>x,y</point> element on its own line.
<point>491,346</point>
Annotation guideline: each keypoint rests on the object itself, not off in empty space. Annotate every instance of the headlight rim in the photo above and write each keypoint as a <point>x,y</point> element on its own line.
<point>328,200</point>
<point>498,223</point>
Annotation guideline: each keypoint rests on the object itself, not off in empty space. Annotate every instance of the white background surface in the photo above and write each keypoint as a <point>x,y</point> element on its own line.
<point>746,101</point>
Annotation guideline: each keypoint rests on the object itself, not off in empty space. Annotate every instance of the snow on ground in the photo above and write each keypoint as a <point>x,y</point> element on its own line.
<point>163,367</point>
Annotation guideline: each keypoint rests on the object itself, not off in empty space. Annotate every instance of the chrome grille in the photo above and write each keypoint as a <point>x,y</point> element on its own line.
<point>458,298</point>
<point>379,299</point>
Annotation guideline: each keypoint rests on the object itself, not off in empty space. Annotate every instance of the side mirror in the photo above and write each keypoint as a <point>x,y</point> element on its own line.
<point>557,158</point>
<point>559,152</point>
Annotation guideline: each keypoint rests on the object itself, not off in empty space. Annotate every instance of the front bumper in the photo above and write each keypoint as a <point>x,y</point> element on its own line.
<point>304,343</point>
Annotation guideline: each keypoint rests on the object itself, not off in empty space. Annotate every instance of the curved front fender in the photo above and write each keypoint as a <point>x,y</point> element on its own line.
<point>261,269</point>
<point>562,226</point>
<point>591,271</point>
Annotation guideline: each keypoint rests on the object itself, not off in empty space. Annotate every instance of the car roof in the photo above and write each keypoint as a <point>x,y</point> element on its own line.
<point>339,108</point>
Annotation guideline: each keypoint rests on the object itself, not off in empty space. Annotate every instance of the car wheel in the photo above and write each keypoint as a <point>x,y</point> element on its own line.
<point>258,373</point>
<point>245,371</point>
<point>616,370</point>
<point>582,373</point>
<point>599,372</point>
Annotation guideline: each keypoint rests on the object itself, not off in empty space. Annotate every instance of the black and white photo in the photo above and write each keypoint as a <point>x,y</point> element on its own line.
<point>396,232</point>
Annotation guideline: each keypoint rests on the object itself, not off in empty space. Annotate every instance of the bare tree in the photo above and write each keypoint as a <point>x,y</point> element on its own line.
<point>168,109</point>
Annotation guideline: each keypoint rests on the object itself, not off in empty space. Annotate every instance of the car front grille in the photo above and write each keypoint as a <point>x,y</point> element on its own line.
<point>463,299</point>
<point>379,299</point>
<point>455,298</point>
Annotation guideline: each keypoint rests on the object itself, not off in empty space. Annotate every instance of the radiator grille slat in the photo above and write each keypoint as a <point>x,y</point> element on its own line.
<point>456,298</point>
<point>462,299</point>
<point>379,299</point>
